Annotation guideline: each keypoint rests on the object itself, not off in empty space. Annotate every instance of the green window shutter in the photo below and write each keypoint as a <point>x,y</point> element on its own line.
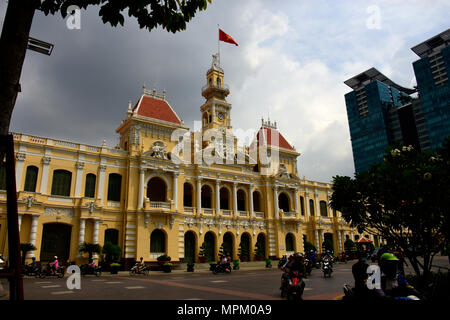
<point>311,206</point>
<point>323,208</point>
<point>62,180</point>
<point>31,179</point>
<point>157,241</point>
<point>114,187</point>
<point>89,190</point>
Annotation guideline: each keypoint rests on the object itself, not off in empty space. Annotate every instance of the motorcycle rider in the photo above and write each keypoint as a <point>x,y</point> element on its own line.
<point>141,265</point>
<point>359,271</point>
<point>54,265</point>
<point>92,263</point>
<point>294,263</point>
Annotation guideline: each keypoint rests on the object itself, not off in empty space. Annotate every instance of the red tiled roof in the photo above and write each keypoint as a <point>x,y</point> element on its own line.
<point>278,139</point>
<point>154,108</point>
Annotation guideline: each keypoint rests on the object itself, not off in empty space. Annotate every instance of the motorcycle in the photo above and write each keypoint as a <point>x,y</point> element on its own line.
<point>136,270</point>
<point>350,294</point>
<point>293,288</point>
<point>308,266</point>
<point>86,269</point>
<point>326,268</point>
<point>31,270</point>
<point>282,261</point>
<point>222,268</point>
<point>49,272</point>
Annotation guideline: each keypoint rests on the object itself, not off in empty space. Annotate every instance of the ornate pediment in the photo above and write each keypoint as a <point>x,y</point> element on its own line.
<point>158,150</point>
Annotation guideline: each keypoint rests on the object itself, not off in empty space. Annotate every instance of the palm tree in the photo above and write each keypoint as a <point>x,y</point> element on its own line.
<point>90,248</point>
<point>25,248</point>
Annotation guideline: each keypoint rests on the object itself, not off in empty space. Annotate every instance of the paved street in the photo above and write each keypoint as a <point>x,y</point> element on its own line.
<point>262,284</point>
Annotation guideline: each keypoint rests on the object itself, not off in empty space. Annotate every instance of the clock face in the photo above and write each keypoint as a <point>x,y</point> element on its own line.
<point>221,116</point>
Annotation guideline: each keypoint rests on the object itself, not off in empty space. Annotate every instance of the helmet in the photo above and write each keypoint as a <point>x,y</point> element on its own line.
<point>388,257</point>
<point>33,258</point>
<point>55,257</point>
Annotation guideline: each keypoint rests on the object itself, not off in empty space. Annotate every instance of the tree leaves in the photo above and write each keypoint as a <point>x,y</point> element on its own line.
<point>171,15</point>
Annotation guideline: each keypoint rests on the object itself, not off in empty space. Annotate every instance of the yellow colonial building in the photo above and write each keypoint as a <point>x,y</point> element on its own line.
<point>167,190</point>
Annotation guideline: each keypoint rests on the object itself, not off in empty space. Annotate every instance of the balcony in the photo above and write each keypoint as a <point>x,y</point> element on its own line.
<point>208,211</point>
<point>227,212</point>
<point>259,214</point>
<point>159,205</point>
<point>242,213</point>
<point>189,210</point>
<point>207,89</point>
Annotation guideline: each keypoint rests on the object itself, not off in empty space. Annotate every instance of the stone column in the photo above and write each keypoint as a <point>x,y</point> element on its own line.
<point>217,197</point>
<point>95,235</point>
<point>339,240</point>
<point>199,195</point>
<point>275,201</point>
<point>316,203</point>
<point>44,178</point>
<point>101,183</point>
<point>33,231</point>
<point>20,220</point>
<point>317,240</point>
<point>141,188</point>
<point>175,190</point>
<point>252,211</point>
<point>296,206</point>
<point>79,176</point>
<point>20,159</point>
<point>308,209</point>
<point>81,233</point>
<point>235,207</point>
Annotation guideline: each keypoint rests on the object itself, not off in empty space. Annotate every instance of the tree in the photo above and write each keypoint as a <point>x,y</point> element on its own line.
<point>25,248</point>
<point>405,200</point>
<point>309,246</point>
<point>171,15</point>
<point>111,251</point>
<point>90,248</point>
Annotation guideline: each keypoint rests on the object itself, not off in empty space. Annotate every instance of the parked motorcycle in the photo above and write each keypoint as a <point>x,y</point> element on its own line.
<point>222,268</point>
<point>47,271</point>
<point>136,270</point>
<point>86,269</point>
<point>350,294</point>
<point>293,288</point>
<point>327,268</point>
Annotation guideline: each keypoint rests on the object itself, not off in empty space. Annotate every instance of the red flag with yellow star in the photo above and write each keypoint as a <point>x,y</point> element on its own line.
<point>226,38</point>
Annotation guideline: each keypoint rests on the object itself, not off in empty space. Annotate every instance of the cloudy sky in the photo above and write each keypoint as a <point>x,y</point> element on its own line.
<point>292,59</point>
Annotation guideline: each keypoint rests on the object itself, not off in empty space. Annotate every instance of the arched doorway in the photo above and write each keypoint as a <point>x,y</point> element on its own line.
<point>283,202</point>
<point>290,244</point>
<point>189,246</point>
<point>327,242</point>
<point>156,189</point>
<point>244,247</point>
<point>55,241</point>
<point>260,247</point>
<point>210,246</point>
<point>228,244</point>
<point>157,243</point>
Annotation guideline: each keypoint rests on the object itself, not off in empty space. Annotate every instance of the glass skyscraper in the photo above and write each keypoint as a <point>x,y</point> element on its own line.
<point>374,120</point>
<point>432,72</point>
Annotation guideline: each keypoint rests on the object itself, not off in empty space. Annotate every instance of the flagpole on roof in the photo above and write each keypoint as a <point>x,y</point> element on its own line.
<point>218,42</point>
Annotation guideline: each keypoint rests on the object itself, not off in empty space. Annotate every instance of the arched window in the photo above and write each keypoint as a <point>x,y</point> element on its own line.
<point>290,242</point>
<point>31,179</point>
<point>61,183</point>
<point>112,235</point>
<point>283,202</point>
<point>187,195</point>
<point>218,82</point>
<point>156,189</point>
<point>89,189</point>
<point>206,197</point>
<point>224,199</point>
<point>302,205</point>
<point>114,186</point>
<point>241,200</point>
<point>323,209</point>
<point>256,201</point>
<point>311,207</point>
<point>158,242</point>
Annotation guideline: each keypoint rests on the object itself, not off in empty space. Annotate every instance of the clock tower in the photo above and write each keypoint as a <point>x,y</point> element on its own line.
<point>216,110</point>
